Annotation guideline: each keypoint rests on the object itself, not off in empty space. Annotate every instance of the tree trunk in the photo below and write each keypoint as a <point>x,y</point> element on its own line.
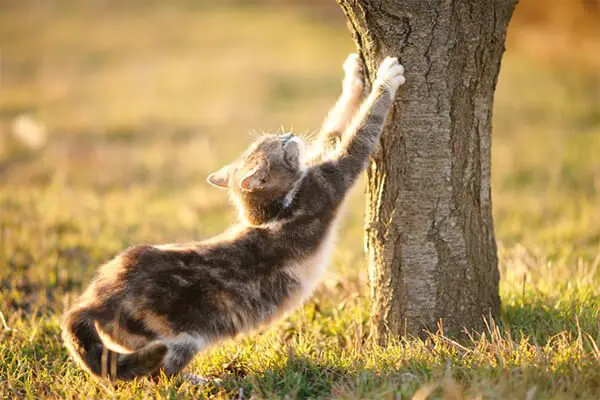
<point>429,228</point>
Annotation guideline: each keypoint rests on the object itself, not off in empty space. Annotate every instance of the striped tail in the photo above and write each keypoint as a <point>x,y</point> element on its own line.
<point>85,346</point>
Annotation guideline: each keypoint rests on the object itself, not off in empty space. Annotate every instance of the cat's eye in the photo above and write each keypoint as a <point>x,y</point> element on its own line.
<point>286,138</point>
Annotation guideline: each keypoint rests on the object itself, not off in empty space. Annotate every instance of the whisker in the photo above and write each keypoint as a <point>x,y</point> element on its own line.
<point>309,135</point>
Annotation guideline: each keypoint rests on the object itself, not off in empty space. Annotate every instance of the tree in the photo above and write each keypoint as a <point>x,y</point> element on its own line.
<point>429,229</point>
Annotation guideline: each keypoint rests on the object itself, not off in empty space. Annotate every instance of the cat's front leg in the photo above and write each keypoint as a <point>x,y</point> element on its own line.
<point>353,85</point>
<point>364,132</point>
<point>343,112</point>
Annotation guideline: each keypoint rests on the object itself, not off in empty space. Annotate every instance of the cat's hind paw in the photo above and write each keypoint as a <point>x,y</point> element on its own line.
<point>195,379</point>
<point>198,380</point>
<point>390,75</point>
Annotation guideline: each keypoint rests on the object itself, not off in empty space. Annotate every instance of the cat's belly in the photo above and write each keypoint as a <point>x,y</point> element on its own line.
<point>308,272</point>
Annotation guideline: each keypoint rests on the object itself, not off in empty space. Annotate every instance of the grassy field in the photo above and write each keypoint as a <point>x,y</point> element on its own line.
<point>140,103</point>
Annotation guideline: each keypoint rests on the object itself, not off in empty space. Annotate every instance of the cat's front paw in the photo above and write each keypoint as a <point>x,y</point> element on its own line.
<point>353,78</point>
<point>390,75</point>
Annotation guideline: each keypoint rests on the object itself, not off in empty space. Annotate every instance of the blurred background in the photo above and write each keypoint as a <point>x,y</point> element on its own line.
<point>112,114</point>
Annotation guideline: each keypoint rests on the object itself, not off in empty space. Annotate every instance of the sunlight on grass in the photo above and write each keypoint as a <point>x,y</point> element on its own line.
<point>141,103</point>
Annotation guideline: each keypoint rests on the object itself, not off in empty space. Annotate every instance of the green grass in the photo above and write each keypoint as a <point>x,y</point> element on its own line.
<point>141,103</point>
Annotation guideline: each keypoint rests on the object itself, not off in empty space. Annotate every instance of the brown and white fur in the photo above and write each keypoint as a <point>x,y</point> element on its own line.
<point>153,308</point>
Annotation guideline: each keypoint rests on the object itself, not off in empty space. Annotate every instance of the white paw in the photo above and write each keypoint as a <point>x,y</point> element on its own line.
<point>352,65</point>
<point>195,379</point>
<point>390,75</point>
<point>353,79</point>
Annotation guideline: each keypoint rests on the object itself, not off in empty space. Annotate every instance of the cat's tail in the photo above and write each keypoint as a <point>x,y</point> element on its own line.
<point>85,345</point>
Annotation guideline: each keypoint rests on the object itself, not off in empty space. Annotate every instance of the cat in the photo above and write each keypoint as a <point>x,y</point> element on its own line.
<point>151,309</point>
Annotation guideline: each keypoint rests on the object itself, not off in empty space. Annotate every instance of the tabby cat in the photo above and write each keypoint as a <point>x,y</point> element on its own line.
<point>153,308</point>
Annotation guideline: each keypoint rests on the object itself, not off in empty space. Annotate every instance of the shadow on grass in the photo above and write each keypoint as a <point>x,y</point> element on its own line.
<point>565,330</point>
<point>301,377</point>
<point>388,372</point>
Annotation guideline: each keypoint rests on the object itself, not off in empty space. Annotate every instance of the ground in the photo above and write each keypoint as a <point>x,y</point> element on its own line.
<point>140,103</point>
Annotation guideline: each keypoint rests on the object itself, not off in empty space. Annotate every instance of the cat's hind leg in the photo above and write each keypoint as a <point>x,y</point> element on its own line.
<point>181,350</point>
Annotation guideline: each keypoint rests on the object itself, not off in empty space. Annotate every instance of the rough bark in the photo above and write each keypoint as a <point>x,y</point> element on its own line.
<point>429,228</point>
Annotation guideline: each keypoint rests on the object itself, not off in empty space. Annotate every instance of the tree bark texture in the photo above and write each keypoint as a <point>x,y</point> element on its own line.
<point>429,229</point>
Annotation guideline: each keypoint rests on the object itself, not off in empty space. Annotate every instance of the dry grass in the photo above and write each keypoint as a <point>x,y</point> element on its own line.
<point>141,102</point>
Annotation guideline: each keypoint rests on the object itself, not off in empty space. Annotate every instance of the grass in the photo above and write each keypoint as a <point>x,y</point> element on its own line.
<point>141,103</point>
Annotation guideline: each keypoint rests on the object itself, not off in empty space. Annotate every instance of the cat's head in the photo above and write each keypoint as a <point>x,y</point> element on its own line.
<point>267,171</point>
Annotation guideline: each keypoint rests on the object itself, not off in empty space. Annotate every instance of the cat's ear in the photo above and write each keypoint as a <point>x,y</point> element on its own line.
<point>253,180</point>
<point>293,151</point>
<point>220,178</point>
